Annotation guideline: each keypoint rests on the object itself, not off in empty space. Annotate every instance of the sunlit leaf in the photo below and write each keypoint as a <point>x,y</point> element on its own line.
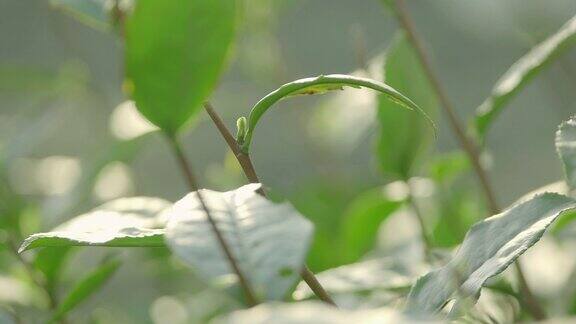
<point>86,287</point>
<point>124,222</point>
<point>268,241</point>
<point>489,248</point>
<point>319,85</point>
<point>521,73</point>
<point>175,51</point>
<point>566,146</point>
<point>403,136</point>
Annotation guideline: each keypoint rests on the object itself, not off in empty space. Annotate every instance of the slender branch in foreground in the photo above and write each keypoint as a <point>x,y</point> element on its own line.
<point>186,168</point>
<point>470,148</point>
<point>248,168</point>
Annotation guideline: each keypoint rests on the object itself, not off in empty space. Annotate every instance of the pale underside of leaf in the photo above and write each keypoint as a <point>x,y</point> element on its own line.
<point>566,146</point>
<point>125,237</point>
<point>269,241</point>
<point>488,248</point>
<point>319,85</point>
<point>124,222</point>
<point>521,72</point>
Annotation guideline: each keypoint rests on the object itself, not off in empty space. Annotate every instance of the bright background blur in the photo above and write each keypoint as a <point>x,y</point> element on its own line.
<point>61,111</point>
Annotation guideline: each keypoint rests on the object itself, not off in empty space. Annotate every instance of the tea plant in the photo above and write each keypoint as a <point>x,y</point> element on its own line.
<point>254,249</point>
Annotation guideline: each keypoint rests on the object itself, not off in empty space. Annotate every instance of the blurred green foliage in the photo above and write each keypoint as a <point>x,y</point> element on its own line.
<point>70,139</point>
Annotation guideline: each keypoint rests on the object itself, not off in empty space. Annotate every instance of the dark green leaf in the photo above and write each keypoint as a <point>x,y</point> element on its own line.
<point>175,52</point>
<point>268,241</point>
<point>87,286</point>
<point>50,262</point>
<point>362,220</point>
<point>459,209</point>
<point>403,137</point>
<point>489,248</point>
<point>319,85</point>
<point>521,73</point>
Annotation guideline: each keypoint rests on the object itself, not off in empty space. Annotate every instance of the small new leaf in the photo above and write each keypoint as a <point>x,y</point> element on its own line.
<point>319,85</point>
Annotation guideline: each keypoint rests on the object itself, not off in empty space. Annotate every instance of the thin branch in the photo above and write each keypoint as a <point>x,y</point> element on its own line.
<point>248,168</point>
<point>186,168</point>
<point>465,142</point>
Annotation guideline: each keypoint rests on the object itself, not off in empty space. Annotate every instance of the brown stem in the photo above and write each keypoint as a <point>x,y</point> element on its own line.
<point>186,168</point>
<point>465,142</point>
<point>248,168</point>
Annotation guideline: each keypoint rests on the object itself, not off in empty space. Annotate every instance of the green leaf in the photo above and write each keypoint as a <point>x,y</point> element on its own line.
<point>459,209</point>
<point>445,168</point>
<point>521,73</point>
<point>361,221</point>
<point>319,85</point>
<point>268,241</point>
<point>124,222</point>
<point>50,262</point>
<point>566,147</point>
<point>86,287</point>
<point>402,138</point>
<point>175,52</point>
<point>488,249</point>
